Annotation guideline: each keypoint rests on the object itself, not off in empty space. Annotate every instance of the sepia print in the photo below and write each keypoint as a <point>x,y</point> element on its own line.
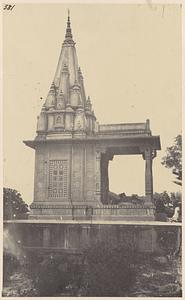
<point>92,150</point>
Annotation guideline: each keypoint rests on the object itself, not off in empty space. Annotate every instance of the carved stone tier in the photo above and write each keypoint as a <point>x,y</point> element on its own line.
<point>100,212</point>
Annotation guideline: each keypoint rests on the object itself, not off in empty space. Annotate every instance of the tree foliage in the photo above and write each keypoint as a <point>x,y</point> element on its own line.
<point>165,204</point>
<point>13,205</point>
<point>173,159</point>
<point>176,198</point>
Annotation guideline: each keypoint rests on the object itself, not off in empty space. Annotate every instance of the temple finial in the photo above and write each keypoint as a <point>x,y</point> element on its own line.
<point>68,35</point>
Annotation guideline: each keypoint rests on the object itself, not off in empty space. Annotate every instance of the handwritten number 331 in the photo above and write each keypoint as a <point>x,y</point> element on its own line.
<point>8,7</point>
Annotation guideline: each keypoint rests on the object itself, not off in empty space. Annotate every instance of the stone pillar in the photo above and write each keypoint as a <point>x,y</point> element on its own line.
<point>148,156</point>
<point>98,176</point>
<point>105,176</point>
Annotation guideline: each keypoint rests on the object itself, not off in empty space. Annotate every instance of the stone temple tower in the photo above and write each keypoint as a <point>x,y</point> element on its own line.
<point>72,150</point>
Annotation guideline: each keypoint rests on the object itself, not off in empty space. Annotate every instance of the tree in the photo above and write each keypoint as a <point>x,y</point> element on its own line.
<point>173,159</point>
<point>176,198</point>
<point>13,205</point>
<point>163,206</point>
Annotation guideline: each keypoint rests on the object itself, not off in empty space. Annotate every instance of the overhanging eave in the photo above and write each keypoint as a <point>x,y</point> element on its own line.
<point>152,142</point>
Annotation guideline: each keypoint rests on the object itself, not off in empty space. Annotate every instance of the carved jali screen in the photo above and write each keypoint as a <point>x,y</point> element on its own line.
<point>58,178</point>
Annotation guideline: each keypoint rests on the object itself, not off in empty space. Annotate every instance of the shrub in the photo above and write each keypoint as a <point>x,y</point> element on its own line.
<point>109,271</point>
<point>50,275</point>
<point>10,265</point>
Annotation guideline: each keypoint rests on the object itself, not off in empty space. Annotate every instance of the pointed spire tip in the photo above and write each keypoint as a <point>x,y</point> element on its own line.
<point>68,35</point>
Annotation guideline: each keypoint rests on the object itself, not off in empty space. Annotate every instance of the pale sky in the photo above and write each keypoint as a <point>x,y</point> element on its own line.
<point>130,57</point>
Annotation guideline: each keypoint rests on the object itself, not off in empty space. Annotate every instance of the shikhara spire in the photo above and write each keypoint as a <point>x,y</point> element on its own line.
<point>68,35</point>
<point>66,98</point>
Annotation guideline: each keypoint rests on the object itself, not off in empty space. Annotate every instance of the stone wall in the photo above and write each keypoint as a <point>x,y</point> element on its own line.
<point>80,181</point>
<point>76,237</point>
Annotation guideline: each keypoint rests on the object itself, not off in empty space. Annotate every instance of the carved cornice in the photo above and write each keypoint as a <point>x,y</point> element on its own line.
<point>97,207</point>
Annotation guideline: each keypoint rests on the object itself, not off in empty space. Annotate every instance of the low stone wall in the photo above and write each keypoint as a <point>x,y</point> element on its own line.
<point>76,237</point>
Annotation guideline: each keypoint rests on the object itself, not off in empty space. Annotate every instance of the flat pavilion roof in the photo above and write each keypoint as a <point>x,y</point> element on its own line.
<point>152,142</point>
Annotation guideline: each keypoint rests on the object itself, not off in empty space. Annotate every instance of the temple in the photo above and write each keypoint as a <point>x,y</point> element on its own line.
<point>72,152</point>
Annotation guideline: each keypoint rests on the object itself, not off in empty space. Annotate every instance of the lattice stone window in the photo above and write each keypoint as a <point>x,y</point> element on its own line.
<point>58,178</point>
